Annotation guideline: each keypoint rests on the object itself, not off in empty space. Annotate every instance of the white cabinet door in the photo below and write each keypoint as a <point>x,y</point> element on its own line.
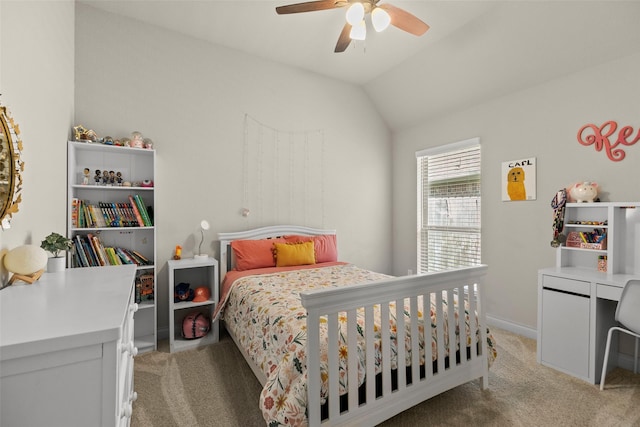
<point>565,332</point>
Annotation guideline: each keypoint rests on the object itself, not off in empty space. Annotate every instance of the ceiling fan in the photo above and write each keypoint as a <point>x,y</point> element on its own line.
<point>355,29</point>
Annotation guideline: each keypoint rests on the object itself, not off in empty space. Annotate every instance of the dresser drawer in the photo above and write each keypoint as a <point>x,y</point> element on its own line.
<point>127,351</point>
<point>567,285</point>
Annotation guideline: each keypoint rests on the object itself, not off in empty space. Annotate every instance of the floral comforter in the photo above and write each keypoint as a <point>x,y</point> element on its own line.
<point>265,314</point>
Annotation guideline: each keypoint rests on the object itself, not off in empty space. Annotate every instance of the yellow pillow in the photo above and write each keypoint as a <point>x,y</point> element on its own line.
<point>288,254</point>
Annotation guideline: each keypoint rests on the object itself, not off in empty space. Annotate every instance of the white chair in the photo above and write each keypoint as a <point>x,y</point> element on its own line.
<point>628,315</point>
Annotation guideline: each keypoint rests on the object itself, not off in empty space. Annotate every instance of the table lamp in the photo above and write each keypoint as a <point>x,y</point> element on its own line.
<point>204,225</point>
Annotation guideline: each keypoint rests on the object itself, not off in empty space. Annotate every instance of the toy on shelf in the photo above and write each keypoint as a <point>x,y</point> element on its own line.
<point>584,192</point>
<point>596,239</point>
<point>195,325</point>
<point>183,292</point>
<point>144,284</point>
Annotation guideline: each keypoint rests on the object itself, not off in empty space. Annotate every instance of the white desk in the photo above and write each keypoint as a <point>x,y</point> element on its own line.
<point>576,308</point>
<point>66,347</point>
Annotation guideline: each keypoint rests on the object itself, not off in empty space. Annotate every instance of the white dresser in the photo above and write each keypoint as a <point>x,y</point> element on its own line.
<point>66,349</point>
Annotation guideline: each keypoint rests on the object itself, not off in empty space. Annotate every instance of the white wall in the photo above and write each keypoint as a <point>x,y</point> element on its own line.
<point>540,122</point>
<point>36,82</point>
<point>191,97</point>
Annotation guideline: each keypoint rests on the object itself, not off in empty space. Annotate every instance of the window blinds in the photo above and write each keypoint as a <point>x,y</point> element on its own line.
<point>449,207</point>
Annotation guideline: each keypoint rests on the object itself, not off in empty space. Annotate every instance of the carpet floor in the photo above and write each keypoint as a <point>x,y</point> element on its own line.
<point>213,386</point>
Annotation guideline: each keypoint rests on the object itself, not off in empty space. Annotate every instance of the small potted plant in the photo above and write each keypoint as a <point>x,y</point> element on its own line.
<point>57,245</point>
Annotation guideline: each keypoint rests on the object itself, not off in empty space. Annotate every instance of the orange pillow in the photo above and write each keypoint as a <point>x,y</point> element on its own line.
<point>288,254</point>
<point>325,246</point>
<point>252,254</point>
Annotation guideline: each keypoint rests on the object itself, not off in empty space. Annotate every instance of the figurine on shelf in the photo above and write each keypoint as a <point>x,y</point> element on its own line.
<point>178,254</point>
<point>85,176</point>
<point>98,176</point>
<point>105,177</point>
<point>78,132</point>
<point>119,178</point>
<point>137,141</point>
<point>82,134</point>
<point>148,143</point>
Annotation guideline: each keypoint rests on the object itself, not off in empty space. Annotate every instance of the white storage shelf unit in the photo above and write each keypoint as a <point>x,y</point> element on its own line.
<point>576,302</point>
<point>135,165</point>
<point>197,273</point>
<point>623,237</point>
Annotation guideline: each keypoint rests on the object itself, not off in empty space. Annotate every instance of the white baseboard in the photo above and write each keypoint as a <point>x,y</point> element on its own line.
<point>516,328</point>
<point>625,361</point>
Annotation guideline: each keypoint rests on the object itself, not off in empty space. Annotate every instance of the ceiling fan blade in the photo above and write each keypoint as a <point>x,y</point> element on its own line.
<point>310,6</point>
<point>344,39</point>
<point>404,20</point>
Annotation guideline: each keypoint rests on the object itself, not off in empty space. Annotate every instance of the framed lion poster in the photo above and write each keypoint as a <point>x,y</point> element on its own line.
<point>519,180</point>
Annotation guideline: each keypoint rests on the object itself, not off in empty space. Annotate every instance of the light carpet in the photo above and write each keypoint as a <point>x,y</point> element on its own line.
<point>213,386</point>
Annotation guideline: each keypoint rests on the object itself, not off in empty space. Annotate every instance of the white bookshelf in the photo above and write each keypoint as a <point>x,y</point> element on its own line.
<point>135,165</point>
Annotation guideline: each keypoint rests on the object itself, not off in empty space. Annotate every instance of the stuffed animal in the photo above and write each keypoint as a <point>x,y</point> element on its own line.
<point>183,292</point>
<point>584,192</point>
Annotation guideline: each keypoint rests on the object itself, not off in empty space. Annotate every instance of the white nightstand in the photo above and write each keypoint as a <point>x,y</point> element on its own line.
<point>196,272</point>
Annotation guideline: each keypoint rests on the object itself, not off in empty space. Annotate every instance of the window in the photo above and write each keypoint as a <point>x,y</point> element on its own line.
<point>449,206</point>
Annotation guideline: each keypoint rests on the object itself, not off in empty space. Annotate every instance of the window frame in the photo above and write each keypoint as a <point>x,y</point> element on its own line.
<point>472,218</point>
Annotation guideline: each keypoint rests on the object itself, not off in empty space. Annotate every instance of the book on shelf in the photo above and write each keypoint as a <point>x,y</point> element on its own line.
<point>126,259</point>
<point>107,214</point>
<point>79,251</point>
<point>80,219</point>
<point>143,210</point>
<point>86,211</point>
<point>91,255</point>
<point>75,203</point>
<point>113,258</point>
<point>136,211</point>
<point>99,216</point>
<point>141,259</point>
<point>97,247</point>
<point>89,251</point>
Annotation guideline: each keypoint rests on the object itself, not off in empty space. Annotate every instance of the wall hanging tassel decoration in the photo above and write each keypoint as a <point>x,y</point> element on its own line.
<point>558,203</point>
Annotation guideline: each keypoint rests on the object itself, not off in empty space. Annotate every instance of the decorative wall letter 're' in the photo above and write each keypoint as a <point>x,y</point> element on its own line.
<point>600,139</point>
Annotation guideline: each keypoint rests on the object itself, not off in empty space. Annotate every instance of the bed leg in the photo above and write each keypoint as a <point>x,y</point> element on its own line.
<point>485,381</point>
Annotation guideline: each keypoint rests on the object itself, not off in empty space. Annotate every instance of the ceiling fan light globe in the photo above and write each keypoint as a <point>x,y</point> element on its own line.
<point>359,31</point>
<point>355,13</point>
<point>380,19</point>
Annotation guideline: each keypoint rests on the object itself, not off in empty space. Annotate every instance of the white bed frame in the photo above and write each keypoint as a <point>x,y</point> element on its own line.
<point>466,282</point>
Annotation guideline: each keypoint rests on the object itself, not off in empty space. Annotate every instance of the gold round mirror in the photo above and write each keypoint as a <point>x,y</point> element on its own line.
<point>11,167</point>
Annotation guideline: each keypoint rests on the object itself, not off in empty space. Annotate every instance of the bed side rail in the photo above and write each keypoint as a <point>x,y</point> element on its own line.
<point>407,386</point>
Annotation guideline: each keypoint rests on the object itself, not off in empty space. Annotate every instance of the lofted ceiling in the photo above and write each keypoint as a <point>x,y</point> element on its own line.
<point>475,50</point>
